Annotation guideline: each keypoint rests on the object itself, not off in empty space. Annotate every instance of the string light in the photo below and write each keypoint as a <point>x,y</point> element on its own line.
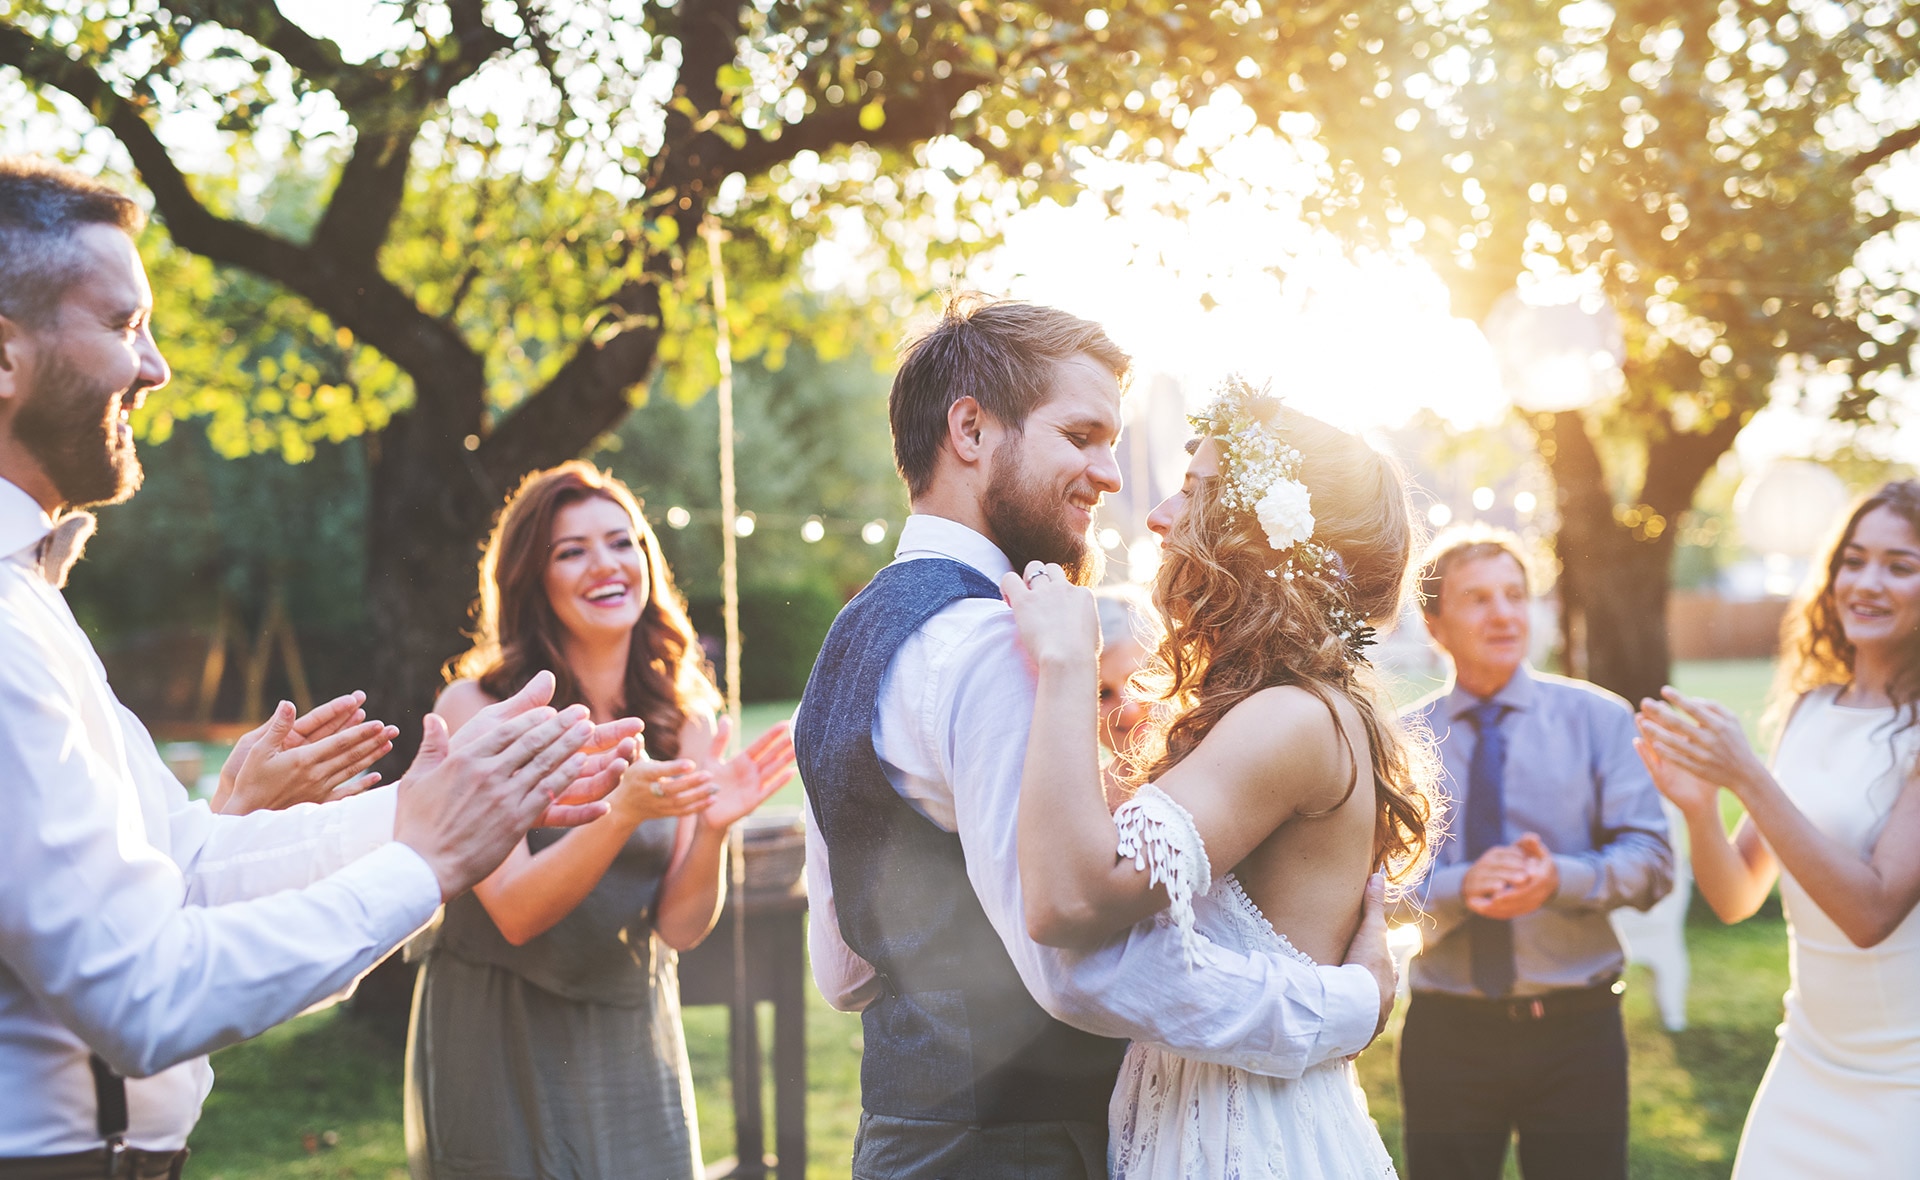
<point>812,529</point>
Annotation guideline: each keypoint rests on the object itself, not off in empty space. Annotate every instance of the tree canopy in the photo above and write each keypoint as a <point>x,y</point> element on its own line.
<point>460,229</point>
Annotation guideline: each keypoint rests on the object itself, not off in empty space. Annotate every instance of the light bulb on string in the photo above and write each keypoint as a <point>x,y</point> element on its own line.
<point>873,532</point>
<point>678,517</point>
<point>813,530</point>
<point>743,525</point>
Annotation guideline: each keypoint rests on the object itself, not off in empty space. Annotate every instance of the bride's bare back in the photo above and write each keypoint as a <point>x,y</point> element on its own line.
<point>1309,875</point>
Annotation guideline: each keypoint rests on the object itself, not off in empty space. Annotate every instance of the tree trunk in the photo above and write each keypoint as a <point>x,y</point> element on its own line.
<point>1613,572</point>
<point>428,513</point>
<point>1614,604</point>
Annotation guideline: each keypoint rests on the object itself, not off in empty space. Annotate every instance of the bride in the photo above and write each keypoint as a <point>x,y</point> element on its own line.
<point>1271,786</point>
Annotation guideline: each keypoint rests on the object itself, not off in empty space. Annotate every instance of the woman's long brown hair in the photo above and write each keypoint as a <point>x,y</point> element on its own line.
<point>1233,630</point>
<point>516,632</point>
<point>1814,651</point>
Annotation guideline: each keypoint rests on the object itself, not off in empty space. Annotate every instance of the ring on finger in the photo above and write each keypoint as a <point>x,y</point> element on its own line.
<point>659,789</point>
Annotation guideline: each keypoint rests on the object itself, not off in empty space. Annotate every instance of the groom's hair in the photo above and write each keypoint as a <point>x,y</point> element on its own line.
<point>998,352</point>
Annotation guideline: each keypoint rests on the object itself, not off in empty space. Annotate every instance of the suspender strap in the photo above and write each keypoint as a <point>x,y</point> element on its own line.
<point>110,1092</point>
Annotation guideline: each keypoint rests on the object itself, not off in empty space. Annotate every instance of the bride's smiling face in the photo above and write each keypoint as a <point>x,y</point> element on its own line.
<point>1170,511</point>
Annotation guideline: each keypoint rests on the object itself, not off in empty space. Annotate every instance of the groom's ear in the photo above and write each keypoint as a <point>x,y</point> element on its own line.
<point>966,430</point>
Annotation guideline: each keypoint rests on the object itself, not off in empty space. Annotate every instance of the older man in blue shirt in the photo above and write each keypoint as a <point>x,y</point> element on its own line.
<point>1515,1019</point>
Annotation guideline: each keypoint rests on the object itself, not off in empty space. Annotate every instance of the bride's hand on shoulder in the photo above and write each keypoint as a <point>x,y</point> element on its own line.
<point>1058,621</point>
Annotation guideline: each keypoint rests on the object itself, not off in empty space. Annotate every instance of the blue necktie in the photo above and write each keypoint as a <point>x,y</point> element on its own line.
<point>1489,940</point>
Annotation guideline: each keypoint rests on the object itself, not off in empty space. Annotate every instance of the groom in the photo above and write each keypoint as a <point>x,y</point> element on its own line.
<point>988,1055</point>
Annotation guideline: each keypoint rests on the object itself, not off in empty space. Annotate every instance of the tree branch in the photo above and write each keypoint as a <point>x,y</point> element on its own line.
<point>907,123</point>
<point>188,220</point>
<point>1679,460</point>
<point>586,398</point>
<point>1888,147</point>
<point>374,309</point>
<point>316,58</point>
<point>372,185</point>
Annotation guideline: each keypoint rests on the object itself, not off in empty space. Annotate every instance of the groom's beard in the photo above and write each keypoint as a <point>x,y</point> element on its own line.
<point>1024,517</point>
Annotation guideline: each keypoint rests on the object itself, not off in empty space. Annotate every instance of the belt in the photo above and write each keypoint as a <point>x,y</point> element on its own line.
<point>124,1163</point>
<point>1525,1009</point>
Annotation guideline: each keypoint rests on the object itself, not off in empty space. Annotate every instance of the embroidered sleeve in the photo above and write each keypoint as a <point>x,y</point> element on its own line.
<point>1158,836</point>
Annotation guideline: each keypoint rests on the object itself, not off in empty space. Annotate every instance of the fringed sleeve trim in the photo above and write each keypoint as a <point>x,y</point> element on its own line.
<point>1159,837</point>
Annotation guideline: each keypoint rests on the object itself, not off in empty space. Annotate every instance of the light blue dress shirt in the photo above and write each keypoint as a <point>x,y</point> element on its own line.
<point>1573,779</point>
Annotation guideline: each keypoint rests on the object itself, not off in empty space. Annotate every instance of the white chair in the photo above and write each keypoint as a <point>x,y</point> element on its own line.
<point>1658,937</point>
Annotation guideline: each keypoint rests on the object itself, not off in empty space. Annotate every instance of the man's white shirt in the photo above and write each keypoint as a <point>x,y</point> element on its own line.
<point>951,729</point>
<point>138,924</point>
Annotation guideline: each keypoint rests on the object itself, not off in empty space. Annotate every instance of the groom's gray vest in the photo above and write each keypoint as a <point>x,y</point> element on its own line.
<point>953,1035</point>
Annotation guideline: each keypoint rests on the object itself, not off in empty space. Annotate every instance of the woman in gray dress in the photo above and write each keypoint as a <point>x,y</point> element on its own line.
<point>546,1037</point>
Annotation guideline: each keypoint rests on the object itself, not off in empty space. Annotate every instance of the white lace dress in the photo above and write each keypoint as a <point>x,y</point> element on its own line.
<point>1176,1119</point>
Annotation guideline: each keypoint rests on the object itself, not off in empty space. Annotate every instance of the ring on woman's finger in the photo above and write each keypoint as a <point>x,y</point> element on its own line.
<point>659,789</point>
<point>1036,575</point>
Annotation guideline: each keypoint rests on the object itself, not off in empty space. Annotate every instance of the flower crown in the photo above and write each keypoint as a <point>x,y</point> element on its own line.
<point>1260,474</point>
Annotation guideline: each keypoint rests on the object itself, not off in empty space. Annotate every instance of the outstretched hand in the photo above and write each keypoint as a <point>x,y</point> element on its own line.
<point>1699,738</point>
<point>1058,621</point>
<point>1692,794</point>
<point>315,758</point>
<point>749,778</point>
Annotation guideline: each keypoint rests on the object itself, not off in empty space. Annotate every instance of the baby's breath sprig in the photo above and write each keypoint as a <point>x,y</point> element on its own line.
<point>1260,474</point>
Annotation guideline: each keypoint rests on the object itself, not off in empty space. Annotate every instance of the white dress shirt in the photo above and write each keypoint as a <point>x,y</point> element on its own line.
<point>139,924</point>
<point>951,733</point>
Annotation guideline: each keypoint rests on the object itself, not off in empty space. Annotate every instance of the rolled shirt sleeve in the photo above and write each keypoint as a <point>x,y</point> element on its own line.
<point>1265,1013</point>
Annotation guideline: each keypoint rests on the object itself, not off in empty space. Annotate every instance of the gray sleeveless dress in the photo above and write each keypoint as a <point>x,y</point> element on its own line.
<point>560,1059</point>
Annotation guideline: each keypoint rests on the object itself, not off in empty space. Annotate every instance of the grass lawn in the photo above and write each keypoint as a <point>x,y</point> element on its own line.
<point>320,1097</point>
<point>282,1097</point>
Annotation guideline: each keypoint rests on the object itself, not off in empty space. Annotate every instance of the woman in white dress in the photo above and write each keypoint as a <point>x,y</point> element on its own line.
<point>1837,820</point>
<point>1270,786</point>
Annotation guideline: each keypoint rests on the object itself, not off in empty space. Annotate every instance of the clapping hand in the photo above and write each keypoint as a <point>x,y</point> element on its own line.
<point>467,800</point>
<point>1511,880</point>
<point>746,780</point>
<point>1692,747</point>
<point>310,759</point>
<point>658,790</point>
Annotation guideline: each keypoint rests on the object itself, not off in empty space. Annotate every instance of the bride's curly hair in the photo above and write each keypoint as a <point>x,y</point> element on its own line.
<point>1234,629</point>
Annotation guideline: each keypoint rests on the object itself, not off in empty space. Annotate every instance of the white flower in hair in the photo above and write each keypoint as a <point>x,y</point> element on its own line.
<point>1286,513</point>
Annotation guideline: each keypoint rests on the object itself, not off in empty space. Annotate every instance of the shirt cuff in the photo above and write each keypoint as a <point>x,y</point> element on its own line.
<point>367,821</point>
<point>1352,1012</point>
<point>397,890</point>
<point>1577,876</point>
